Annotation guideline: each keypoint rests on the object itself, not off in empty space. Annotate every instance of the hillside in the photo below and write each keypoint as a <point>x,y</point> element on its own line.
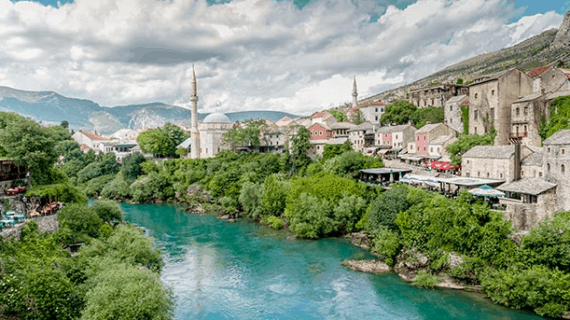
<point>547,47</point>
<point>52,108</point>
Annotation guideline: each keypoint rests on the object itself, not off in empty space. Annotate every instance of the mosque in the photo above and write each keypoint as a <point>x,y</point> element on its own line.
<point>206,137</point>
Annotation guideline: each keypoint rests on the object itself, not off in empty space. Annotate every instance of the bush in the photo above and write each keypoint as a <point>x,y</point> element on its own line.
<point>117,189</point>
<point>152,187</point>
<point>250,199</point>
<point>273,196</point>
<point>426,280</point>
<point>126,292</point>
<point>108,210</point>
<point>385,208</point>
<point>229,204</point>
<point>387,245</point>
<point>81,220</point>
<point>95,186</point>
<point>273,221</point>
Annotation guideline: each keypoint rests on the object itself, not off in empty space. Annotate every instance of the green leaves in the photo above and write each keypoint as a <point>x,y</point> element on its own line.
<point>465,143</point>
<point>560,113</point>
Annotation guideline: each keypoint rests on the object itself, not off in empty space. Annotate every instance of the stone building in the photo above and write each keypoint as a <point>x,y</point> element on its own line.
<point>531,166</point>
<point>323,117</point>
<point>437,146</point>
<point>211,131</point>
<point>395,136</point>
<point>362,136</point>
<point>553,80</point>
<point>452,112</point>
<point>274,140</point>
<point>89,139</point>
<point>556,163</point>
<point>526,114</point>
<point>492,162</point>
<point>320,131</point>
<point>551,97</point>
<point>437,95</point>
<point>490,100</point>
<point>340,129</point>
<point>528,201</point>
<point>429,132</point>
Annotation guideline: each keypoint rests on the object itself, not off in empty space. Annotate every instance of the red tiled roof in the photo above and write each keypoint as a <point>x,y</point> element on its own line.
<point>355,108</point>
<point>321,114</point>
<point>464,103</point>
<point>83,146</point>
<point>285,118</point>
<point>92,136</point>
<point>538,71</point>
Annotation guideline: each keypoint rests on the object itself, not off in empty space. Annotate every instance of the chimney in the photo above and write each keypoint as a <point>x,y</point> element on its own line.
<point>517,167</point>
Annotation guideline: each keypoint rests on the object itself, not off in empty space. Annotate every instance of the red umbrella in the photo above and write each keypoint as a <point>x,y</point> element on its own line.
<point>436,164</point>
<point>446,166</point>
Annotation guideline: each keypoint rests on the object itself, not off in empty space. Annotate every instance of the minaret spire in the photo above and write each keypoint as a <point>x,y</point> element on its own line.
<point>354,94</point>
<point>194,132</point>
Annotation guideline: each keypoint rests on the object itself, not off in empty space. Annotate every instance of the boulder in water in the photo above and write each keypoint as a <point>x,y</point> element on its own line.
<point>368,266</point>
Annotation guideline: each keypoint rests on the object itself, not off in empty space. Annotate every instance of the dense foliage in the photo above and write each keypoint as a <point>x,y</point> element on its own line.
<point>465,143</point>
<point>162,141</point>
<point>403,112</point>
<point>115,275</point>
<point>246,136</point>
<point>339,115</point>
<point>559,115</point>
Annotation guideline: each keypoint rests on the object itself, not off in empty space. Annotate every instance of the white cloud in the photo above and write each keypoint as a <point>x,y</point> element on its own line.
<point>249,54</point>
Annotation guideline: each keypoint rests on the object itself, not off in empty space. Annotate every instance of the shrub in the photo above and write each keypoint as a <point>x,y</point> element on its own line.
<point>250,198</point>
<point>118,188</point>
<point>229,204</point>
<point>108,210</point>
<point>152,187</point>
<point>273,221</point>
<point>387,245</point>
<point>273,196</point>
<point>81,220</point>
<point>426,280</point>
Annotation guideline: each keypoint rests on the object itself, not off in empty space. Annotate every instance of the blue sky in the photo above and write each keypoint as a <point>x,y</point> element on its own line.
<point>298,56</point>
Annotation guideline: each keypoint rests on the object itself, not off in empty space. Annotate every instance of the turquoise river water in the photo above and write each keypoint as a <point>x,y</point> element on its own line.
<point>219,270</point>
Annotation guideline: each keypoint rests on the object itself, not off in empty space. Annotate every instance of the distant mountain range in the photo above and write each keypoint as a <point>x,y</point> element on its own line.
<point>52,108</point>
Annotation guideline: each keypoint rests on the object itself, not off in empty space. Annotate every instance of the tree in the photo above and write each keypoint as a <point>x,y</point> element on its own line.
<point>273,196</point>
<point>81,220</point>
<point>131,167</point>
<point>339,115</point>
<point>28,144</point>
<point>181,151</point>
<point>157,142</point>
<point>301,146</point>
<point>357,117</point>
<point>424,115</point>
<point>176,134</point>
<point>64,124</point>
<point>460,81</point>
<point>464,144</point>
<point>108,210</point>
<point>560,114</point>
<point>385,208</point>
<point>245,137</point>
<point>398,112</point>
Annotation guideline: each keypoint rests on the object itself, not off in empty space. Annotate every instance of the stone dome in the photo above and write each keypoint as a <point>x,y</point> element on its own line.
<point>216,117</point>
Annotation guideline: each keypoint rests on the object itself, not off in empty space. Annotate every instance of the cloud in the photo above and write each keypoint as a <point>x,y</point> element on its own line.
<point>249,54</point>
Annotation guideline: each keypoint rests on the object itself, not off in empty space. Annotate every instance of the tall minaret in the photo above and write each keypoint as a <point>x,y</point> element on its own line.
<point>354,94</point>
<point>194,132</point>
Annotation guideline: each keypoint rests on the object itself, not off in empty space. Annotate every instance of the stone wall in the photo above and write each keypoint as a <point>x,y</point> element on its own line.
<point>45,224</point>
<point>556,164</point>
<point>500,169</point>
<point>526,215</point>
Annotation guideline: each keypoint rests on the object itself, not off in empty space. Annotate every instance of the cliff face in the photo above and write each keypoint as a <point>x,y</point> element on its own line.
<point>563,35</point>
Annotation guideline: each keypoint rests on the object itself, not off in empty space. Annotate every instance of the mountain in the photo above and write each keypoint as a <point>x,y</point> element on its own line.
<point>549,46</point>
<point>51,108</point>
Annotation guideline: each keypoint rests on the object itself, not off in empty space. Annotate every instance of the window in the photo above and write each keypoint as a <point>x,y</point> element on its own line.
<point>540,174</point>
<point>525,111</point>
<point>450,120</point>
<point>548,167</point>
<point>562,150</point>
<point>476,95</point>
<point>562,169</point>
<point>425,137</point>
<point>431,149</point>
<point>501,175</point>
<point>475,130</point>
<point>548,149</point>
<point>375,109</point>
<point>487,174</point>
<point>376,118</point>
<point>467,161</point>
<point>417,138</point>
<point>478,174</point>
<point>492,92</point>
<point>450,108</point>
<point>467,174</point>
<point>476,115</point>
<point>518,111</point>
<point>424,148</point>
<point>381,109</point>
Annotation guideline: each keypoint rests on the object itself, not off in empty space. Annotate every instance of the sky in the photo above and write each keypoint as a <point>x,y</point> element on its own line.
<point>296,56</point>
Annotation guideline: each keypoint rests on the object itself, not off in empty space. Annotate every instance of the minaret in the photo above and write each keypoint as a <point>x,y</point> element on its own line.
<point>194,132</point>
<point>354,94</point>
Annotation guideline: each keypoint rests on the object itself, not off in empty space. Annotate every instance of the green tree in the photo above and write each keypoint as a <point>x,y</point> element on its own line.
<point>424,115</point>
<point>465,143</point>
<point>339,115</point>
<point>357,117</point>
<point>301,146</point>
<point>64,124</point>
<point>459,81</point>
<point>176,134</point>
<point>181,151</point>
<point>383,210</point>
<point>398,112</point>
<point>81,220</point>
<point>273,196</point>
<point>131,167</point>
<point>108,211</point>
<point>559,115</point>
<point>250,198</point>
<point>157,142</point>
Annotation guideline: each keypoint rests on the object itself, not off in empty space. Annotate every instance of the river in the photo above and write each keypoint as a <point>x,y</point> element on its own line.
<point>219,270</point>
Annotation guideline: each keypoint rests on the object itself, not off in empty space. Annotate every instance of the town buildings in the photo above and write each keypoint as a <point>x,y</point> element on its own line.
<point>436,95</point>
<point>453,112</point>
<point>429,132</point>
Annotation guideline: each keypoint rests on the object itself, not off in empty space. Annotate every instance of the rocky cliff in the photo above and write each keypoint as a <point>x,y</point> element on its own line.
<point>562,39</point>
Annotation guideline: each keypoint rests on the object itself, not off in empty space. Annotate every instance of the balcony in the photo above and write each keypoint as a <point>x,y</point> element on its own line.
<point>515,135</point>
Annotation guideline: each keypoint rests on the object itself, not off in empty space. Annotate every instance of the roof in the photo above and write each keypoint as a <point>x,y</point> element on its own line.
<point>321,114</point>
<point>566,72</point>
<point>538,71</point>
<point>399,128</point>
<point>560,137</point>
<point>555,95</point>
<point>428,127</point>
<point>530,97</point>
<point>490,152</point>
<point>532,186</point>
<point>490,77</point>
<point>337,141</point>
<point>342,125</point>
<point>441,139</point>
<point>372,104</point>
<point>216,117</point>
<point>486,191</point>
<point>456,99</point>
<point>186,144</point>
<point>534,159</point>
<point>464,103</point>
<point>385,170</point>
<point>92,136</point>
<point>469,182</point>
<point>362,126</point>
<point>324,126</point>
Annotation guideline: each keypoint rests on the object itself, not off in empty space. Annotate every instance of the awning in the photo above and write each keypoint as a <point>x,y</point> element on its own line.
<point>486,191</point>
<point>384,151</point>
